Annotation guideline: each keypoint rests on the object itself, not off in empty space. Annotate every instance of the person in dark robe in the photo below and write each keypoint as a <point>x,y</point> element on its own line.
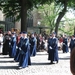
<point>50,51</point>
<point>53,49</point>
<point>7,43</point>
<point>19,45</point>
<point>25,53</point>
<point>65,44</point>
<point>13,44</point>
<point>32,45</point>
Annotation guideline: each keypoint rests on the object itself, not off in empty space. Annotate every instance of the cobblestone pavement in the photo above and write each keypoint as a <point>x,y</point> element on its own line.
<point>40,65</point>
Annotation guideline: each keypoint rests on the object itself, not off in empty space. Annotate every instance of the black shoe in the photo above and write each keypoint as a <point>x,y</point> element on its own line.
<point>57,61</point>
<point>51,62</point>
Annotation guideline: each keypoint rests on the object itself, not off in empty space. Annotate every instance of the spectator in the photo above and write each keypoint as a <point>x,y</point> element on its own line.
<point>1,42</point>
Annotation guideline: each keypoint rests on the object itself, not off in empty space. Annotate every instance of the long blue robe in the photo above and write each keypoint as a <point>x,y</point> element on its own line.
<point>53,50</point>
<point>13,43</point>
<point>50,51</point>
<point>33,46</point>
<point>24,56</point>
<point>17,56</point>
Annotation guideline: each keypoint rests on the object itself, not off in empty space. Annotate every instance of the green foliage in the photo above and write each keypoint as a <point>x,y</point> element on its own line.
<point>53,11</point>
<point>69,23</point>
<point>49,14</point>
<point>13,7</point>
<point>68,32</point>
<point>19,8</point>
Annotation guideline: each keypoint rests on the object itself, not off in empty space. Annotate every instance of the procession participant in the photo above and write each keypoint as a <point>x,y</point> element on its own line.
<point>24,57</point>
<point>54,48</point>
<point>13,44</point>
<point>65,44</point>
<point>18,37</point>
<point>50,50</point>
<point>7,43</point>
<point>32,45</point>
<point>19,45</point>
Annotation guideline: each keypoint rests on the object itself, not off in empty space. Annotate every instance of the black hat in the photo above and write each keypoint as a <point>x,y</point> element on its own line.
<point>21,32</point>
<point>24,32</point>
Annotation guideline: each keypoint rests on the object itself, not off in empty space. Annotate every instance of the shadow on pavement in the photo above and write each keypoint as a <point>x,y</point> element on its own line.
<point>41,64</point>
<point>65,58</point>
<point>8,67</point>
<point>6,61</point>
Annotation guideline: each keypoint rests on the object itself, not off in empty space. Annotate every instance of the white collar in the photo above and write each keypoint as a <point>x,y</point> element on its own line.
<point>54,37</point>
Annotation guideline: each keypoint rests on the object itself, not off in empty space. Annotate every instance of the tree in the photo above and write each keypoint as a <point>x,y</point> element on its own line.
<point>65,5</point>
<point>49,14</point>
<point>19,9</point>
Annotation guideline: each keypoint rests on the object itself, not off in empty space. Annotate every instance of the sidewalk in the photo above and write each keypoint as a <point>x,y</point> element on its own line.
<point>40,65</point>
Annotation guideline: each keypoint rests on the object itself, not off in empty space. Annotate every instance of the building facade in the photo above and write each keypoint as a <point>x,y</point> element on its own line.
<point>32,21</point>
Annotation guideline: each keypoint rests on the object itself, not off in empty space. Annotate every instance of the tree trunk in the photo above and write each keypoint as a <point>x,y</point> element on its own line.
<point>23,15</point>
<point>61,14</point>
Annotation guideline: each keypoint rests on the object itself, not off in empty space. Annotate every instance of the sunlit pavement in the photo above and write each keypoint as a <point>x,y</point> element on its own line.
<point>40,65</point>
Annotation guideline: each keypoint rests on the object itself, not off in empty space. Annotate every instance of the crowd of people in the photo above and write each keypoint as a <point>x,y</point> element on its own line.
<point>23,45</point>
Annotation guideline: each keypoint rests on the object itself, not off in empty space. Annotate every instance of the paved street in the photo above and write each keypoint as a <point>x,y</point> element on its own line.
<point>40,65</point>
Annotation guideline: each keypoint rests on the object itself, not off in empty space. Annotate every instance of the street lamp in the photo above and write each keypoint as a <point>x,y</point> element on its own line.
<point>39,23</point>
